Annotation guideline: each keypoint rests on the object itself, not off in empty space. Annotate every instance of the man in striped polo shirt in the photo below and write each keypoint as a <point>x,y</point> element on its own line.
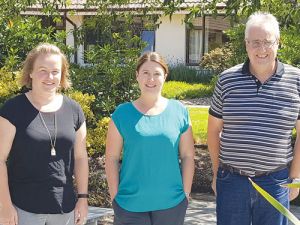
<point>253,111</point>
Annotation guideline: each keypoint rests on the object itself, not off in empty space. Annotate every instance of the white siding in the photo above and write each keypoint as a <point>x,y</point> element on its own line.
<point>170,39</point>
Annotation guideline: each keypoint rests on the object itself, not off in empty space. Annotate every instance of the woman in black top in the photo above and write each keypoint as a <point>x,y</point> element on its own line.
<point>44,135</point>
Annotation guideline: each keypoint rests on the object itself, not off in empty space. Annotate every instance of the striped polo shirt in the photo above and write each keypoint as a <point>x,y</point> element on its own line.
<point>258,118</point>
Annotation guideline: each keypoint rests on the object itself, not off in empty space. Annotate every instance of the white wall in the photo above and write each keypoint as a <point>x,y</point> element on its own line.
<point>170,39</point>
<point>78,20</point>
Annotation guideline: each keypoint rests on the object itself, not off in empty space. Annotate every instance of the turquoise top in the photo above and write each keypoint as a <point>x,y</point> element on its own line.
<point>150,176</point>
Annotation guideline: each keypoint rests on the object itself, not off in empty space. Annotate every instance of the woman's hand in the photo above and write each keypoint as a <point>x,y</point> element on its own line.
<point>8,215</point>
<point>81,211</point>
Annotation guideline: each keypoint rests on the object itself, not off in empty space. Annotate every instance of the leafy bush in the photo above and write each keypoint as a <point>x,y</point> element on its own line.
<point>182,90</point>
<point>111,80</point>
<point>85,101</point>
<point>96,130</point>
<point>290,43</point>
<point>18,36</point>
<point>8,85</point>
<point>237,38</point>
<point>218,59</point>
<point>213,45</point>
<point>96,140</point>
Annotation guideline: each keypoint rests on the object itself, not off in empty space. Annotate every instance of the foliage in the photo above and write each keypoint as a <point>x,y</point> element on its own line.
<point>181,90</point>
<point>85,101</point>
<point>96,129</point>
<point>112,81</point>
<point>189,74</point>
<point>237,39</point>
<point>213,45</point>
<point>218,59</point>
<point>228,55</point>
<point>96,140</point>
<point>199,118</point>
<point>290,43</point>
<point>8,85</point>
<point>18,36</point>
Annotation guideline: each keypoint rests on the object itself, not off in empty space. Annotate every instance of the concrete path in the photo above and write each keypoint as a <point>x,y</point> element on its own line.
<point>202,210</point>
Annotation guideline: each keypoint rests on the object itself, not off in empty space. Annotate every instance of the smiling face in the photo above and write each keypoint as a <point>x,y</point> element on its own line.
<point>46,73</point>
<point>262,58</point>
<point>151,77</point>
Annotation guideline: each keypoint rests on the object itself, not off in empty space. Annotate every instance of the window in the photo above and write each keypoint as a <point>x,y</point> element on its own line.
<point>206,36</point>
<point>98,37</point>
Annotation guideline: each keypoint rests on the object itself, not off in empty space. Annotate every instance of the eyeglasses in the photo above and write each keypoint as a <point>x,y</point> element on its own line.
<point>257,44</point>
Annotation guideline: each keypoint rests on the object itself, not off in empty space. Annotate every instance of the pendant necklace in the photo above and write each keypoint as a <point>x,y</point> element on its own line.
<point>53,152</point>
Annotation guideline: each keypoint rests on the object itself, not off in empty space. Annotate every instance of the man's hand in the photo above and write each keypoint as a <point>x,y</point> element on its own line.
<point>214,185</point>
<point>294,192</point>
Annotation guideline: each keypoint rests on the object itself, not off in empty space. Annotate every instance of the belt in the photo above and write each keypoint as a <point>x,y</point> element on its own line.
<point>256,174</point>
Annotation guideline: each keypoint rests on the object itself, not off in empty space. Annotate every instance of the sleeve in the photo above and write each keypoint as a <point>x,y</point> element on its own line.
<point>116,118</point>
<point>78,116</point>
<point>9,111</point>
<point>186,121</point>
<point>216,105</point>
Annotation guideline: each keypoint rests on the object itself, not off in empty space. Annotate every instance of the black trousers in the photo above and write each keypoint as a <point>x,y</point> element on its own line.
<point>172,216</point>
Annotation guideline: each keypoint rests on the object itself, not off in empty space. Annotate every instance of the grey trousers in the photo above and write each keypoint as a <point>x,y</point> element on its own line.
<point>172,216</point>
<point>27,218</point>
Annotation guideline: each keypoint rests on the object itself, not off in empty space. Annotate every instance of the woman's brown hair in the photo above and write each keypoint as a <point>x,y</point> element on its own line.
<point>154,57</point>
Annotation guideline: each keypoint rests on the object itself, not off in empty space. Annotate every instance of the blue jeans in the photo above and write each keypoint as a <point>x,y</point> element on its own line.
<point>238,202</point>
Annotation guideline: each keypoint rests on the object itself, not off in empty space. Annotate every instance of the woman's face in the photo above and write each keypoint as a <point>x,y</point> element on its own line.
<point>46,73</point>
<point>151,78</point>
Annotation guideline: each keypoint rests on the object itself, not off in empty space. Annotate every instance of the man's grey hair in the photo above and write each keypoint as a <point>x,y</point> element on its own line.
<point>258,18</point>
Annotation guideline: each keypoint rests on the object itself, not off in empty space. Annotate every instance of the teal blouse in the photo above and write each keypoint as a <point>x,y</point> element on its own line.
<point>150,176</point>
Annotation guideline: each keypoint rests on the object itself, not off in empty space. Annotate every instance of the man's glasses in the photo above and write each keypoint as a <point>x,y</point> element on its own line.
<point>257,44</point>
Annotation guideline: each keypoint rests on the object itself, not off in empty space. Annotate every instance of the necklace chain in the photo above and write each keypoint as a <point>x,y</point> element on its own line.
<point>53,152</point>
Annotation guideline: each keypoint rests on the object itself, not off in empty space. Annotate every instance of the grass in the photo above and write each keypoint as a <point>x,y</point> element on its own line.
<point>199,118</point>
<point>182,90</point>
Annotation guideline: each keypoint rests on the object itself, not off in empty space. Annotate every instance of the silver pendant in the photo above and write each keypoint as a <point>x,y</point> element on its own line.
<point>53,152</point>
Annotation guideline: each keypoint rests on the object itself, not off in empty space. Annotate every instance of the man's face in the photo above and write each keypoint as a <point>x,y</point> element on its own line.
<point>262,55</point>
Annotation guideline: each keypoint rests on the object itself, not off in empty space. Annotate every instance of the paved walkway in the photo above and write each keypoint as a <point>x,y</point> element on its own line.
<point>202,211</point>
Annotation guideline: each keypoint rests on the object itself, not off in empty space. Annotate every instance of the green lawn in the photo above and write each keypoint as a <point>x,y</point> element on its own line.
<point>199,118</point>
<point>182,90</point>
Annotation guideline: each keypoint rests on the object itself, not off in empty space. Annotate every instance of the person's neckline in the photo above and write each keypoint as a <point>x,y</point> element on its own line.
<point>45,112</point>
<point>168,101</point>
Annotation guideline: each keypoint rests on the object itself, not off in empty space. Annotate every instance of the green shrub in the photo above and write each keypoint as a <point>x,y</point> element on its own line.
<point>182,90</point>
<point>96,129</point>
<point>213,45</point>
<point>237,38</point>
<point>218,59</point>
<point>85,101</point>
<point>96,140</point>
<point>290,44</point>
<point>112,80</point>
<point>8,85</point>
<point>18,36</point>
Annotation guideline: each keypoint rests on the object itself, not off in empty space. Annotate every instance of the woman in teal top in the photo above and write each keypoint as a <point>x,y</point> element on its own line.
<point>151,187</point>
